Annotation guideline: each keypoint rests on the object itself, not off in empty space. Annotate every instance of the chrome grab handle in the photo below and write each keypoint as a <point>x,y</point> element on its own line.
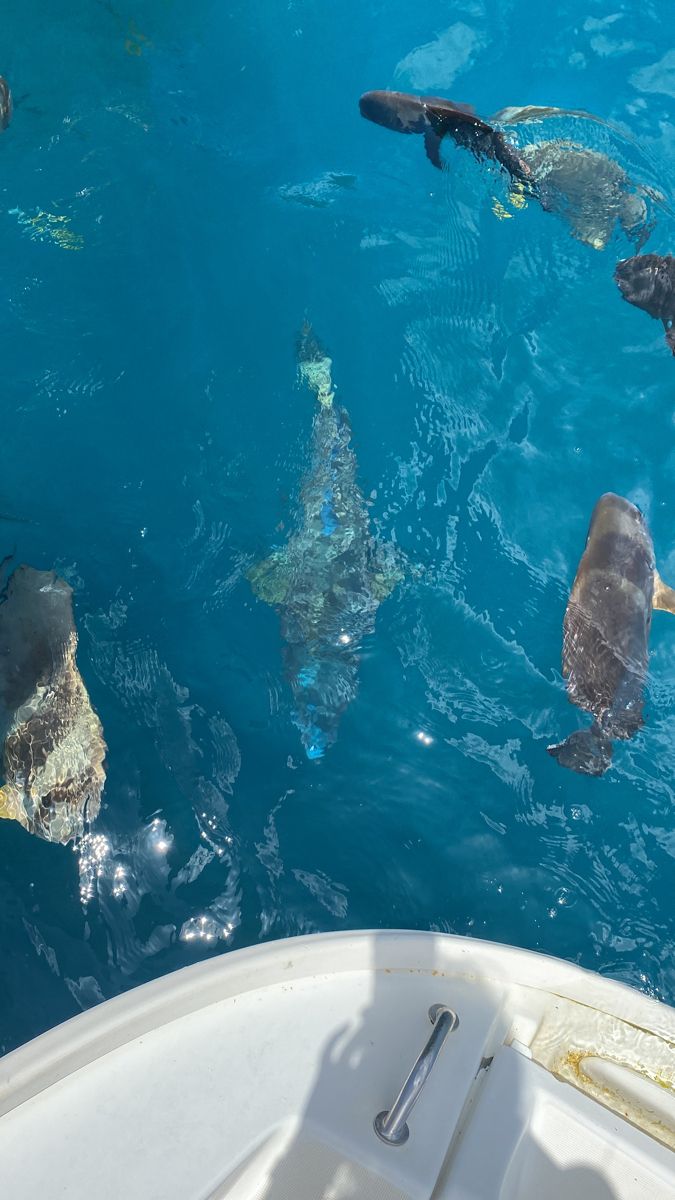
<point>392,1126</point>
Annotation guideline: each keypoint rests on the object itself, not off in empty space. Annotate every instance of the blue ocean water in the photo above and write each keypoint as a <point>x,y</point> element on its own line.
<point>180,186</point>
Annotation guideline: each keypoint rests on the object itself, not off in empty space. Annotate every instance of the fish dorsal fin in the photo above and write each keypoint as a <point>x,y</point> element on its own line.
<point>467,108</point>
<point>664,596</point>
<point>448,118</point>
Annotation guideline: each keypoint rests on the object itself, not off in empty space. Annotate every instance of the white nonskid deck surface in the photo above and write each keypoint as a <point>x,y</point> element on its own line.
<point>297,1165</point>
<point>258,1075</point>
<point>195,1094</point>
<point>534,1138</point>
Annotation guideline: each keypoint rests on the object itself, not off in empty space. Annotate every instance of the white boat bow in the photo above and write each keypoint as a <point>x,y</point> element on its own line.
<point>271,1074</point>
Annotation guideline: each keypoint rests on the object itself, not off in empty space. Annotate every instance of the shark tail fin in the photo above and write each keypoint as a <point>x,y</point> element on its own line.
<point>588,751</point>
<point>664,596</point>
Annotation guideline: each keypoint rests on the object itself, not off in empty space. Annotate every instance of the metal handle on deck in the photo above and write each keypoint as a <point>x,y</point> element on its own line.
<point>392,1126</point>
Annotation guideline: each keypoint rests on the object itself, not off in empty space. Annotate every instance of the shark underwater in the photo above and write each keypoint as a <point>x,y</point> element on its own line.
<point>53,749</point>
<point>587,188</point>
<point>606,632</point>
<point>5,104</point>
<point>328,581</point>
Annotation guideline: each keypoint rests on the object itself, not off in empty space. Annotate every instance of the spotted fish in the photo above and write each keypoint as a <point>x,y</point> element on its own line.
<point>328,581</point>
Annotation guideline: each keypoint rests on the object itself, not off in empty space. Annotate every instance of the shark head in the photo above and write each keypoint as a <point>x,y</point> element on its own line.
<point>399,111</point>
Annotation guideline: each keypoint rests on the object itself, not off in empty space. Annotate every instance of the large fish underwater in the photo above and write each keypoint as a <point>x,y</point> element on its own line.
<point>587,188</point>
<point>330,578</point>
<point>648,282</point>
<point>53,751</point>
<point>606,632</point>
<point>5,104</point>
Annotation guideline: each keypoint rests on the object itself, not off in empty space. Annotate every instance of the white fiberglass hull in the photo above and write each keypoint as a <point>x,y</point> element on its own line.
<point>259,1074</point>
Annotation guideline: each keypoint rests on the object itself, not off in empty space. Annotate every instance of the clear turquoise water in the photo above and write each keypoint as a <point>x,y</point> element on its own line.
<point>213,162</point>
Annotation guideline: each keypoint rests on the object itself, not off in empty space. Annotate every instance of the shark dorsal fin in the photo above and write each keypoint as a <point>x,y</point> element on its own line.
<point>664,596</point>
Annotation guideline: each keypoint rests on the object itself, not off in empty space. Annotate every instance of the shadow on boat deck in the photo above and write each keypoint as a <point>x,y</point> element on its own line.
<point>331,1151</point>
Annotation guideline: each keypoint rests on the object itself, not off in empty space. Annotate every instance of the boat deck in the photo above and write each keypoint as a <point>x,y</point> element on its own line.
<point>259,1075</point>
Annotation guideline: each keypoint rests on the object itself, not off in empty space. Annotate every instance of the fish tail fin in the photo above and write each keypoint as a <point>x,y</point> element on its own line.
<point>315,365</point>
<point>664,596</point>
<point>588,751</point>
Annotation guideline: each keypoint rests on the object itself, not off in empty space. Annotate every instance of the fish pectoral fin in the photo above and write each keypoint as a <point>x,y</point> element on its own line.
<point>664,596</point>
<point>652,192</point>
<point>9,810</point>
<point>270,579</point>
<point>432,147</point>
<point>386,574</point>
<point>5,805</point>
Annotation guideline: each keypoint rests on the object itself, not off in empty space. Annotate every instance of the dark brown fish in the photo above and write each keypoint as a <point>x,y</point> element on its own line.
<point>5,103</point>
<point>606,632</point>
<point>436,118</point>
<point>648,282</point>
<point>53,752</point>
<point>587,188</point>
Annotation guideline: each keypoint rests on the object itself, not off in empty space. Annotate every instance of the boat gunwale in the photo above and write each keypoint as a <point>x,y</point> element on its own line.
<point>78,1042</point>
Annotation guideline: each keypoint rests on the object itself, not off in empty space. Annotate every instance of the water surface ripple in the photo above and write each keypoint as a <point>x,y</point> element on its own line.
<point>180,185</point>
